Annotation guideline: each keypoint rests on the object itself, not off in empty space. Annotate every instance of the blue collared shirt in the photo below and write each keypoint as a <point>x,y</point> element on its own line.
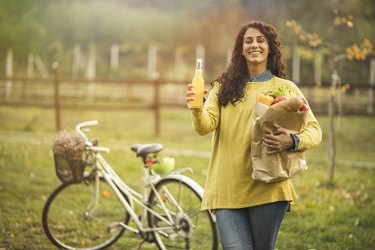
<point>262,77</point>
<point>265,76</point>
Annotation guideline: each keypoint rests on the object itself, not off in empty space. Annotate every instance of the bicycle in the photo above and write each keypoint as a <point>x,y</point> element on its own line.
<point>87,215</point>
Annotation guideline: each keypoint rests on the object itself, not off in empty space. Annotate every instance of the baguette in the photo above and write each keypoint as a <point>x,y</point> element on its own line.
<point>291,104</point>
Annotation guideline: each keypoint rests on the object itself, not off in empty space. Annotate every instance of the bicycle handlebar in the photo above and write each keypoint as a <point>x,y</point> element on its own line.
<point>103,149</point>
<point>81,125</point>
<point>88,143</point>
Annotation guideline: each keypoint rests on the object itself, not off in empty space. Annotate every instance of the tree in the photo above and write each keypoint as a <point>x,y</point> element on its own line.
<point>336,51</point>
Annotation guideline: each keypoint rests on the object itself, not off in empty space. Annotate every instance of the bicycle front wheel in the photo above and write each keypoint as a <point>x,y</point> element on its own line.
<point>72,221</point>
<point>188,227</point>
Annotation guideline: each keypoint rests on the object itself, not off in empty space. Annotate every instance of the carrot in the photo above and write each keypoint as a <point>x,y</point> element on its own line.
<point>291,104</point>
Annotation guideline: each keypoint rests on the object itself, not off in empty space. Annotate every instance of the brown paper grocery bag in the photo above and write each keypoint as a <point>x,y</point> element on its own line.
<point>279,166</point>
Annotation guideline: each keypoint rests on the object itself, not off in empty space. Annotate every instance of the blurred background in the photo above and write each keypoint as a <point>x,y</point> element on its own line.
<point>126,63</point>
<point>157,39</point>
<point>120,36</point>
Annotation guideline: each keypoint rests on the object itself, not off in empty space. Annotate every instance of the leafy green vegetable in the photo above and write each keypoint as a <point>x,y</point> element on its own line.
<point>282,90</point>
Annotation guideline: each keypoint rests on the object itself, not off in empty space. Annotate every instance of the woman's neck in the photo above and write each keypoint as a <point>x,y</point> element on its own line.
<point>256,69</point>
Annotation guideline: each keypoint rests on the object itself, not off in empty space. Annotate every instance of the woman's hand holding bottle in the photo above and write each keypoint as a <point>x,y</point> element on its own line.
<point>195,90</point>
<point>190,95</point>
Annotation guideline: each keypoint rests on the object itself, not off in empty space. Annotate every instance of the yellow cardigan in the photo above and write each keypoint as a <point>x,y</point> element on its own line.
<point>229,183</point>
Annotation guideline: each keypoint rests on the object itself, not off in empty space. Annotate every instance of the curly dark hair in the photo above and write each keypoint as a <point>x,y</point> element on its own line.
<point>233,80</point>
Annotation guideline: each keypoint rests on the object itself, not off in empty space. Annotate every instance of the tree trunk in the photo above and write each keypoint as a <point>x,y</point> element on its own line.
<point>331,129</point>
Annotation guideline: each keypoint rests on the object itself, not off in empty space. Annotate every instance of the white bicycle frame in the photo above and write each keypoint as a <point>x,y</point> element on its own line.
<point>104,170</point>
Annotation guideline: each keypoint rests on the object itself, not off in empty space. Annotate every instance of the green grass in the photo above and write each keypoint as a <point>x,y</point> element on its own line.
<point>337,217</point>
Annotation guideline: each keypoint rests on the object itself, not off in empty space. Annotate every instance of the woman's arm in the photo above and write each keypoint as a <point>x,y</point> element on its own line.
<point>311,133</point>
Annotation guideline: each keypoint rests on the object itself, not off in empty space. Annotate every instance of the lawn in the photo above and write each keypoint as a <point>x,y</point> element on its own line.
<point>341,216</point>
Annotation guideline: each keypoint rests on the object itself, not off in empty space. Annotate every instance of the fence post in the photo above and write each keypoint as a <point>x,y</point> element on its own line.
<point>55,67</point>
<point>157,106</point>
<point>9,74</point>
<point>296,65</point>
<point>29,75</point>
<point>91,71</point>
<point>370,107</point>
<point>152,59</point>
<point>115,55</point>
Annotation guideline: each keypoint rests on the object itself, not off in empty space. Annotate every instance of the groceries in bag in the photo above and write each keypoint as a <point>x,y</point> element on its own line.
<point>287,110</point>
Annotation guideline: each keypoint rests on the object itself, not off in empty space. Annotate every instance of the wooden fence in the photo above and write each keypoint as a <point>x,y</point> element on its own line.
<point>151,95</point>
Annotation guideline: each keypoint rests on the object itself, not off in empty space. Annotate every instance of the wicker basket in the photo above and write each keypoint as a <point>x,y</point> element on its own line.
<point>69,171</point>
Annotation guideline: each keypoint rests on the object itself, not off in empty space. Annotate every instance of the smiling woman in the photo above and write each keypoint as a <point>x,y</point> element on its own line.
<point>248,212</point>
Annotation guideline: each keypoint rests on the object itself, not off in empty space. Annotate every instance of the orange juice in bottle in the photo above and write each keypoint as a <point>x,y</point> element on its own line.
<point>198,86</point>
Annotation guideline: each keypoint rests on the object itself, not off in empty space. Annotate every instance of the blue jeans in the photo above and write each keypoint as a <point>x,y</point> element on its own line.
<point>252,228</point>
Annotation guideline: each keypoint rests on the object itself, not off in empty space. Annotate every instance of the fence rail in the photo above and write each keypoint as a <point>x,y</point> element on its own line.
<point>148,94</point>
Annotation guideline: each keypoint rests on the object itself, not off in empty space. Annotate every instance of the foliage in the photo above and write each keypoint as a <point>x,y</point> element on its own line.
<point>361,51</point>
<point>355,51</point>
<point>282,90</point>
<point>312,40</point>
<point>52,28</point>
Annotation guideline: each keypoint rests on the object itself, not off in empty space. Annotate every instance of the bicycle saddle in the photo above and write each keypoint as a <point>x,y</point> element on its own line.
<point>145,149</point>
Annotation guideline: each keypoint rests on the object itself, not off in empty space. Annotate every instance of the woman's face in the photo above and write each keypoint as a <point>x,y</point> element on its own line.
<point>255,47</point>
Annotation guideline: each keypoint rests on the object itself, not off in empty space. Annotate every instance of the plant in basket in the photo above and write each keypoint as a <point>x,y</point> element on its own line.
<point>68,148</point>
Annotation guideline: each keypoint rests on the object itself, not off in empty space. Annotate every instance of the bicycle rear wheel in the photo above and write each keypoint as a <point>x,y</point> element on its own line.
<point>191,227</point>
<point>68,224</point>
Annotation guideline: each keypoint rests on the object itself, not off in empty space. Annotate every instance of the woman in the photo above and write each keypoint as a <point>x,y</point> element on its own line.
<point>248,212</point>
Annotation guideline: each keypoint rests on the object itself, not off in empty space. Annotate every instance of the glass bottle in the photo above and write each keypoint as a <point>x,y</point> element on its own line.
<point>198,88</point>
